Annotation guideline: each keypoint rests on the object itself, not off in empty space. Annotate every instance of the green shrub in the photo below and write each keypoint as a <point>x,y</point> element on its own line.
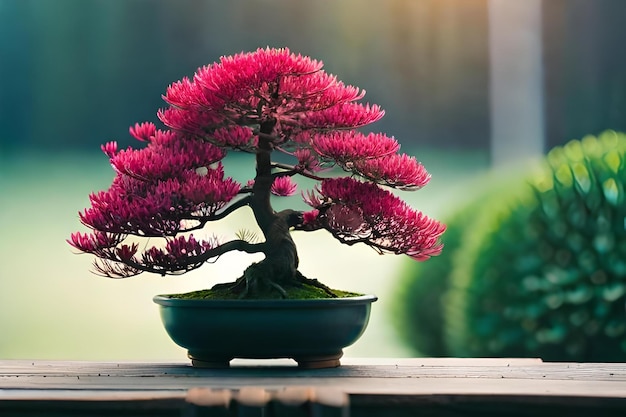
<point>421,293</point>
<point>418,308</point>
<point>544,274</point>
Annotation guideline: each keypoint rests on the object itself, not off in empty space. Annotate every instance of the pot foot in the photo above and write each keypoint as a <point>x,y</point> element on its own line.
<point>319,362</point>
<point>209,363</point>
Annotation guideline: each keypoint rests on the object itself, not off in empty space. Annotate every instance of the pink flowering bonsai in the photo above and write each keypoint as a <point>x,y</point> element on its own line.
<point>265,102</point>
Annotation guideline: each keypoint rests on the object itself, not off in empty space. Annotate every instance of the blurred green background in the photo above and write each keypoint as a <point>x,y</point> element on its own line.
<point>76,73</point>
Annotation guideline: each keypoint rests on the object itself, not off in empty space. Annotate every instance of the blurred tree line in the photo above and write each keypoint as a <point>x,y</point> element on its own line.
<point>76,73</point>
<point>585,68</point>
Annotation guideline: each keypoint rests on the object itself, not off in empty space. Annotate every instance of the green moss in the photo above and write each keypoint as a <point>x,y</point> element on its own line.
<point>300,292</point>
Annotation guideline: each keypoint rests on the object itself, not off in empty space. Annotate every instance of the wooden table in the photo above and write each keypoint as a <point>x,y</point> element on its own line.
<point>360,387</point>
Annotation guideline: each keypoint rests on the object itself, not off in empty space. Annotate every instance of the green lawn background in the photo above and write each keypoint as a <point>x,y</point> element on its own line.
<point>52,307</point>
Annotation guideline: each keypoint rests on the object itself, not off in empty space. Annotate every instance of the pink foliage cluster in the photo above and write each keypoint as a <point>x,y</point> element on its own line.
<point>346,146</point>
<point>183,253</point>
<point>259,102</point>
<point>159,186</point>
<point>169,155</point>
<point>361,212</point>
<point>283,187</point>
<point>225,103</point>
<point>175,184</point>
<point>373,157</point>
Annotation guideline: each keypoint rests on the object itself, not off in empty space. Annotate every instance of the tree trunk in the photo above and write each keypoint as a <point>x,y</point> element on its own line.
<point>281,258</point>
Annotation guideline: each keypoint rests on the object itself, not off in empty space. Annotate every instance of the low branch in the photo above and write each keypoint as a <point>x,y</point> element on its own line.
<point>380,248</point>
<point>308,227</point>
<point>193,262</point>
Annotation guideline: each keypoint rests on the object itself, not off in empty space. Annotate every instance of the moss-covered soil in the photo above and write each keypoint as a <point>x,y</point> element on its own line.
<point>300,292</point>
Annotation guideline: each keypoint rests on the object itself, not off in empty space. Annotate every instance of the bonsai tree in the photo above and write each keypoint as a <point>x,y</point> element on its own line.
<point>266,102</point>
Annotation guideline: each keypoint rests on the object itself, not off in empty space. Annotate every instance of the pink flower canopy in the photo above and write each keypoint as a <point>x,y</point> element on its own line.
<point>262,102</point>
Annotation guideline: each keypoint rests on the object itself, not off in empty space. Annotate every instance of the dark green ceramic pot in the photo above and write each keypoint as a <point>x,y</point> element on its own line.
<point>312,332</point>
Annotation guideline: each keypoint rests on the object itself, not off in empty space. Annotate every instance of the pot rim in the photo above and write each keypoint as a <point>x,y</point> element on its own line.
<point>168,301</point>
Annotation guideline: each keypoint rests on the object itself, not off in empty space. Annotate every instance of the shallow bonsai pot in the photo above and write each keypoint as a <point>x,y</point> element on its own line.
<point>312,332</point>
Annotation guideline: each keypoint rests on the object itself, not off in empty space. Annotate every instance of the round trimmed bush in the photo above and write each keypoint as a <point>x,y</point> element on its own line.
<point>544,274</point>
<point>421,293</point>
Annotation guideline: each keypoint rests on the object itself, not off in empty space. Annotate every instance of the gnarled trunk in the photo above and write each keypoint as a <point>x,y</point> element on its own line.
<point>280,266</point>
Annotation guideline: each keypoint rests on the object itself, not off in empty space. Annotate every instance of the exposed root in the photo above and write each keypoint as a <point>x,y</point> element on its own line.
<point>236,287</point>
<point>315,283</point>
<point>255,281</point>
<point>280,289</point>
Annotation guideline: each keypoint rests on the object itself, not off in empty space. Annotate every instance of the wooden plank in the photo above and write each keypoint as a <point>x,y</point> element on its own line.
<point>372,377</point>
<point>414,368</point>
<point>374,387</point>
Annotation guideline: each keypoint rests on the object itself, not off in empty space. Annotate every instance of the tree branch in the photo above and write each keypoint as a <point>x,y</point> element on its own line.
<point>380,248</point>
<point>193,262</point>
<point>218,216</point>
<point>291,170</point>
<point>230,209</point>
